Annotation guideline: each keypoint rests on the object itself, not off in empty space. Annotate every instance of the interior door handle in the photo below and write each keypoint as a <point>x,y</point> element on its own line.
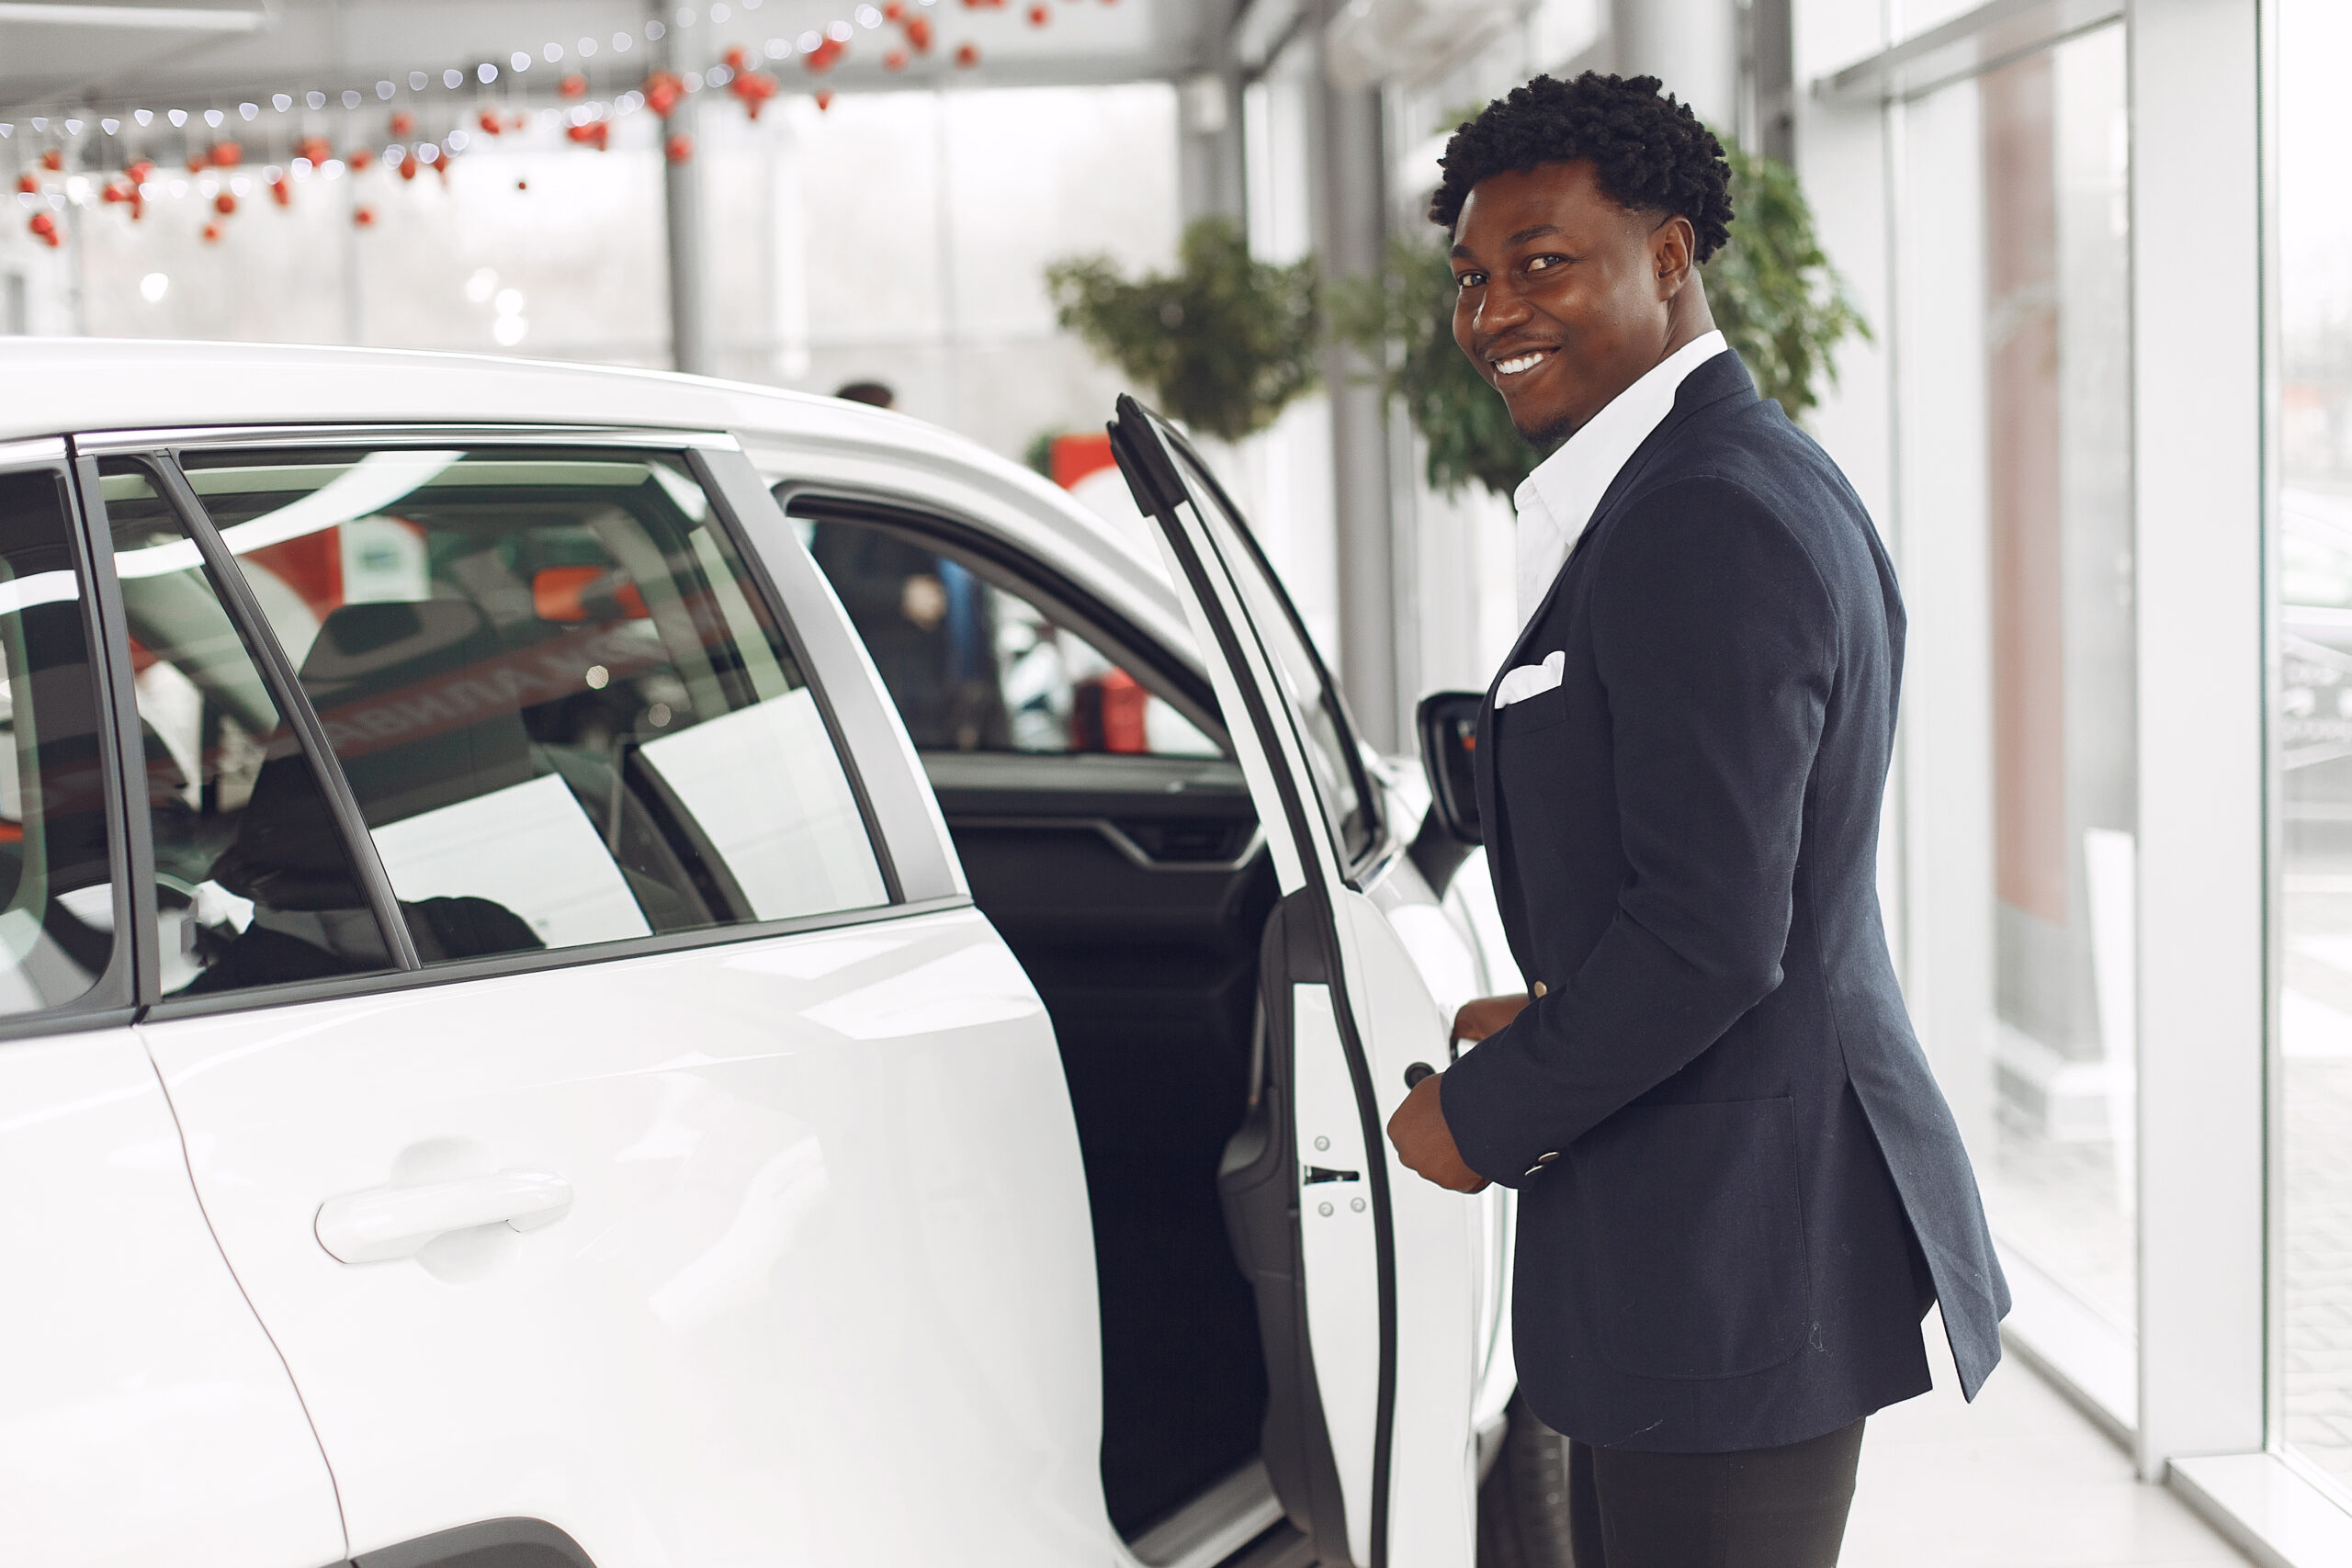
<point>385,1222</point>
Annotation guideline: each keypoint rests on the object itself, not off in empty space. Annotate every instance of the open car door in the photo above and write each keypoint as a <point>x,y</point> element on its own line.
<point>1353,1256</point>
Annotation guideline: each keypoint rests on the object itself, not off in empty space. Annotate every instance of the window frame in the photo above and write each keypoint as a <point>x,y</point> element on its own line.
<point>1039,582</point>
<point>918,875</point>
<point>111,1000</point>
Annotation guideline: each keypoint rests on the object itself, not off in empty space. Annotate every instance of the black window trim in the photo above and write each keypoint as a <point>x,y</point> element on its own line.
<point>1039,581</point>
<point>111,1000</point>
<point>708,457</point>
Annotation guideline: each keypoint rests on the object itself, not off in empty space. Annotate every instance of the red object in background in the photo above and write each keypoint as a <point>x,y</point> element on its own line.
<point>1072,457</point>
<point>364,218</point>
<point>138,174</point>
<point>225,203</point>
<point>197,162</point>
<point>895,60</point>
<point>895,11</point>
<point>44,227</point>
<point>52,160</point>
<point>753,88</point>
<point>825,55</point>
<point>1107,714</point>
<point>491,124</point>
<point>572,593</point>
<point>678,149</point>
<point>824,101</point>
<point>28,185</point>
<point>967,55</point>
<point>663,91</point>
<point>597,133</point>
<point>573,86</point>
<point>311,564</point>
<point>919,33</point>
<point>404,122</point>
<point>317,149</point>
<point>283,189</point>
<point>408,166</point>
<point>211,233</point>
<point>736,56</point>
<point>1039,16</point>
<point>359,158</point>
<point>227,155</point>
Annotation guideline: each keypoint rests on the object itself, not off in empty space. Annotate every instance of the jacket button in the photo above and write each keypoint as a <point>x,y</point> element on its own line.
<point>1541,989</point>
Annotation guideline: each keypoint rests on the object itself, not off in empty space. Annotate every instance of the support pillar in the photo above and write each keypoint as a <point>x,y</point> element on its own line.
<point>681,211</point>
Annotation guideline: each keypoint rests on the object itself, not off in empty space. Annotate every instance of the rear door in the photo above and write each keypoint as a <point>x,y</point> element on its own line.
<point>1366,1275</point>
<point>588,1063</point>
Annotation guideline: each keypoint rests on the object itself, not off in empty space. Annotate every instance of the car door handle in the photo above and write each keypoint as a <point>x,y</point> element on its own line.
<point>385,1222</point>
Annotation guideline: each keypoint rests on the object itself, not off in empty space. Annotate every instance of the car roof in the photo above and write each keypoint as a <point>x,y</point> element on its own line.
<point>75,386</point>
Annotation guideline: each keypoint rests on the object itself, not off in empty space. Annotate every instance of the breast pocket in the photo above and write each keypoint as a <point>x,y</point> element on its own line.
<point>1530,714</point>
<point>1693,1235</point>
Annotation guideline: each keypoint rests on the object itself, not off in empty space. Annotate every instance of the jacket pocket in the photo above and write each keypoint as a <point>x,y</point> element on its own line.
<point>1542,711</point>
<point>1693,1237</point>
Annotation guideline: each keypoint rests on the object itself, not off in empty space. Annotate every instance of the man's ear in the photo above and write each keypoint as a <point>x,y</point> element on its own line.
<point>1673,251</point>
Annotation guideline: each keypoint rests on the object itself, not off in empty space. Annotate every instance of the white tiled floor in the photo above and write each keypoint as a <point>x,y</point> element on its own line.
<point>2021,1479</point>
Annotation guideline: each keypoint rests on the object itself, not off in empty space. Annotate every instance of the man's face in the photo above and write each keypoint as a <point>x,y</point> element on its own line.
<point>1564,294</point>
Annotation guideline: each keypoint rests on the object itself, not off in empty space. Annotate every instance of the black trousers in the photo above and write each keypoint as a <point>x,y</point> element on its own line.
<point>1782,1507</point>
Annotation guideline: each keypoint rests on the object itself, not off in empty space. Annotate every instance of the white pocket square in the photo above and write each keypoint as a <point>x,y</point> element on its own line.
<point>1530,680</point>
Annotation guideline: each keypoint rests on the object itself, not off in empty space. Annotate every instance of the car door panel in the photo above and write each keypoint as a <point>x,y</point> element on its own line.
<point>827,1249</point>
<point>1353,1011</point>
<point>144,1416</point>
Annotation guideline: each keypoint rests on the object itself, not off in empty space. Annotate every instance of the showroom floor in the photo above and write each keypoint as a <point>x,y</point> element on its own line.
<point>2021,1479</point>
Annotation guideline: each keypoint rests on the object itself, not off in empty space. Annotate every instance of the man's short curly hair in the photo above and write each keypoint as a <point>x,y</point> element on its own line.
<point>1650,153</point>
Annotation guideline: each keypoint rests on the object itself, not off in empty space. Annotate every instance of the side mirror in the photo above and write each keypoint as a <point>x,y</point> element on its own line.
<point>1447,724</point>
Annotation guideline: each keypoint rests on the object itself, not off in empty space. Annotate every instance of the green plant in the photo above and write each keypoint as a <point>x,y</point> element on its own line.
<point>1774,294</point>
<point>1223,344</point>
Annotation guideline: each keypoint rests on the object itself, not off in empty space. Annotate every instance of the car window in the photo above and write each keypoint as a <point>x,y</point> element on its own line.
<point>57,899</point>
<point>255,881</point>
<point>564,713</point>
<point>1321,719</point>
<point>976,665</point>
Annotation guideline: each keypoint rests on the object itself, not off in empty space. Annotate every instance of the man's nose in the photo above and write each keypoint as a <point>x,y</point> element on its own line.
<point>1499,309</point>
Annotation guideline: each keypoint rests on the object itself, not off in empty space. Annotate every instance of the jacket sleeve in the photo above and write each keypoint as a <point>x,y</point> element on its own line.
<point>1716,643</point>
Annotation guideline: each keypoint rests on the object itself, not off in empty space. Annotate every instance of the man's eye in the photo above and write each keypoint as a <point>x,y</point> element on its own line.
<point>1468,279</point>
<point>1544,264</point>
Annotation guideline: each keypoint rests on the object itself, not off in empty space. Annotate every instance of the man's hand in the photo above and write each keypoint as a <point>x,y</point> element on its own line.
<point>1425,1144</point>
<point>1487,1015</point>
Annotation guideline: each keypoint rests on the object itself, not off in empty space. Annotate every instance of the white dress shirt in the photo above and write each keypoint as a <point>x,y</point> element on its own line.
<point>1557,501</point>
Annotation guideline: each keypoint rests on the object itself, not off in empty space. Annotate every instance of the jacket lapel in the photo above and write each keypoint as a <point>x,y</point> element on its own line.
<point>1722,378</point>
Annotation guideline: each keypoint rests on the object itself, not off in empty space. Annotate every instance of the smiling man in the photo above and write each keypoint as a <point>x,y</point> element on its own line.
<point>1740,1189</point>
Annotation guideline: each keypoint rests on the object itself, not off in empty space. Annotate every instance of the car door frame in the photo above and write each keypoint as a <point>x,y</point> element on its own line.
<point>916,858</point>
<point>1303,849</point>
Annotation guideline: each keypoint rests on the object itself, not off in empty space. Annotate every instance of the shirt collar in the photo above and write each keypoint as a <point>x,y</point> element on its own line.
<point>1556,502</point>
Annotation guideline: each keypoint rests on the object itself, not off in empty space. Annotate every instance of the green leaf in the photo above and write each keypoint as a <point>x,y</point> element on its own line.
<point>1223,345</point>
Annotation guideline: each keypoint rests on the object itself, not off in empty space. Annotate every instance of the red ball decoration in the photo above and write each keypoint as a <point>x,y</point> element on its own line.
<point>52,160</point>
<point>1039,16</point>
<point>967,56</point>
<point>895,11</point>
<point>919,33</point>
<point>42,224</point>
<point>895,60</point>
<point>282,189</point>
<point>679,149</point>
<point>404,122</point>
<point>736,57</point>
<point>825,55</point>
<point>753,88</point>
<point>408,166</point>
<point>573,86</point>
<point>364,218</point>
<point>28,185</point>
<point>211,233</point>
<point>138,174</point>
<point>227,155</point>
<point>359,158</point>
<point>664,91</point>
<point>317,149</point>
<point>824,99</point>
<point>225,203</point>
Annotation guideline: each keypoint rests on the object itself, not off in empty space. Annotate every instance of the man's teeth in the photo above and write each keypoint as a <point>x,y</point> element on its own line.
<point>1518,363</point>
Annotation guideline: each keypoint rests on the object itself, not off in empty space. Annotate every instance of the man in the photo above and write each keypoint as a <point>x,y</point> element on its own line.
<point>1740,1188</point>
<point>924,620</point>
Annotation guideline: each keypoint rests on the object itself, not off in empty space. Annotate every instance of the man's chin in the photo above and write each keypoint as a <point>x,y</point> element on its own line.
<point>1543,432</point>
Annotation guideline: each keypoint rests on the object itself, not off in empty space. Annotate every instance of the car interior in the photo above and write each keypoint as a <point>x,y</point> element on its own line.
<point>1108,834</point>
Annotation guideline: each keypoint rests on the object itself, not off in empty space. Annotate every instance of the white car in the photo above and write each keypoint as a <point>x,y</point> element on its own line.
<point>518,1057</point>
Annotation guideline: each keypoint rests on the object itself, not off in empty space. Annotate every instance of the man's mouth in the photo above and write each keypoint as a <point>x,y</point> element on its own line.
<point>1521,363</point>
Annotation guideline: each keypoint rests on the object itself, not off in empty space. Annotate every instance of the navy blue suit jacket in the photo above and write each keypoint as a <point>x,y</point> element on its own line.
<point>1739,1185</point>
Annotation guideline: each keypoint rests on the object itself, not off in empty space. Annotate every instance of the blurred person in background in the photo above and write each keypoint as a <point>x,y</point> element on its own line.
<point>924,620</point>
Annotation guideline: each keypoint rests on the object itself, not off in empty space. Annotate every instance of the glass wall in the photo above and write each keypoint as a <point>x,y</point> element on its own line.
<point>2312,749</point>
<point>2015,524</point>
